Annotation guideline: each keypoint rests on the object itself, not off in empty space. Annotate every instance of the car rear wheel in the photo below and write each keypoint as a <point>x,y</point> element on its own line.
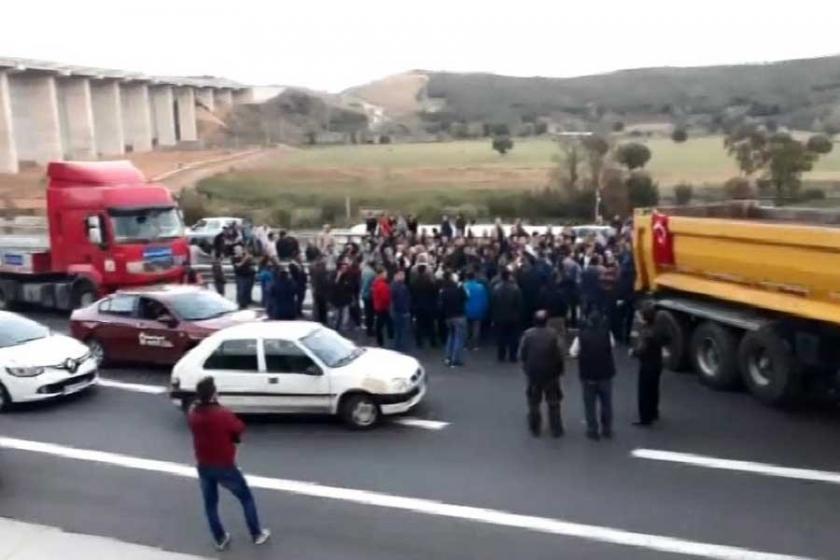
<point>97,351</point>
<point>359,411</point>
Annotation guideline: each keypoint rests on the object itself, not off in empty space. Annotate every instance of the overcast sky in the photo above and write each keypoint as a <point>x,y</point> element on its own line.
<point>334,44</point>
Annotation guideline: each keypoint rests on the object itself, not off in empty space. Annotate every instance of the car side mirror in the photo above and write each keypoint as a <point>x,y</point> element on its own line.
<point>168,320</point>
<point>313,369</point>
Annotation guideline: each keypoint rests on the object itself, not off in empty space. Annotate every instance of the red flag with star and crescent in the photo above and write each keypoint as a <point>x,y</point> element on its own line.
<point>663,241</point>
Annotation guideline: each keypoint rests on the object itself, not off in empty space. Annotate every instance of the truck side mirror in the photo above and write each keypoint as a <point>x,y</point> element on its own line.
<point>94,230</point>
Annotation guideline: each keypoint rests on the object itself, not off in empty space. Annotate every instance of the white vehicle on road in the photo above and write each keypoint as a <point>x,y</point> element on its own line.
<point>205,230</point>
<point>300,367</point>
<point>36,364</point>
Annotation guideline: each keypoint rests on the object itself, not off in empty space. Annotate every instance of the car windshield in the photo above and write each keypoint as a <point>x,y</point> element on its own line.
<point>201,305</point>
<point>146,224</point>
<point>16,330</point>
<point>331,348</point>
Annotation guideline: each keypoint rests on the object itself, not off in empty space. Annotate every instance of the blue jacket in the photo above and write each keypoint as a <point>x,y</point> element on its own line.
<point>478,300</point>
<point>284,299</point>
<point>400,299</point>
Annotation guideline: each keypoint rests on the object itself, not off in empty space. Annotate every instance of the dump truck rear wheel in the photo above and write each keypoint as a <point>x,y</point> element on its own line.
<point>674,351</point>
<point>769,368</point>
<point>714,355</point>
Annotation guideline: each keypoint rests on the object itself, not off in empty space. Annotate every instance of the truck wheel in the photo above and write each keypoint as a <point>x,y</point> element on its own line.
<point>84,293</point>
<point>674,352</point>
<point>768,367</point>
<point>714,355</point>
<point>359,411</point>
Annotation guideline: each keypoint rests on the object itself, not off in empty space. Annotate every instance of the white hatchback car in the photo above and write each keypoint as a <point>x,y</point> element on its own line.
<point>36,364</point>
<point>300,367</point>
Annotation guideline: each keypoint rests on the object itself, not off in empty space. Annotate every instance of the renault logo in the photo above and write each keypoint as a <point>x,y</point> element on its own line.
<point>71,365</point>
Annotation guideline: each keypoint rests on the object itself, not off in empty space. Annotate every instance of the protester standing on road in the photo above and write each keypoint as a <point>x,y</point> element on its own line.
<point>218,275</point>
<point>453,304</point>
<point>368,276</point>
<point>216,431</point>
<point>284,293</point>
<point>381,295</point>
<point>542,362</point>
<point>478,304</point>
<point>424,300</point>
<point>400,311</point>
<point>243,271</point>
<point>320,289</point>
<point>593,348</point>
<point>506,306</point>
<point>648,349</point>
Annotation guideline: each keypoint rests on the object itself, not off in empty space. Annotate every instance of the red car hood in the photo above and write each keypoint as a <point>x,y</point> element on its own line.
<point>231,319</point>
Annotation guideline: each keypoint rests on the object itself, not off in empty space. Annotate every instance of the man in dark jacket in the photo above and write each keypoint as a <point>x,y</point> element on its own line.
<point>648,350</point>
<point>424,300</point>
<point>593,348</point>
<point>284,294</point>
<point>216,431</point>
<point>320,289</point>
<point>542,361</point>
<point>400,311</point>
<point>287,247</point>
<point>344,289</point>
<point>591,289</point>
<point>298,274</point>
<point>506,309</point>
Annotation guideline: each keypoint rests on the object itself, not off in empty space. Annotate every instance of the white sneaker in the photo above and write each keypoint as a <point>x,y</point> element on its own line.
<point>224,544</point>
<point>263,537</point>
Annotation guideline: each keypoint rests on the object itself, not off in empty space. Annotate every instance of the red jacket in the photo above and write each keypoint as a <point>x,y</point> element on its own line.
<point>381,294</point>
<point>216,431</point>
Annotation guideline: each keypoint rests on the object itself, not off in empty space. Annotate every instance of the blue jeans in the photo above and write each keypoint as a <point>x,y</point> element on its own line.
<point>456,337</point>
<point>340,316</point>
<point>402,324</point>
<point>244,289</point>
<point>599,391</point>
<point>213,477</point>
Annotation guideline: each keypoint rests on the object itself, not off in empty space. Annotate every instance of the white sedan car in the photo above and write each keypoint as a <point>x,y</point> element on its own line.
<point>300,367</point>
<point>36,364</point>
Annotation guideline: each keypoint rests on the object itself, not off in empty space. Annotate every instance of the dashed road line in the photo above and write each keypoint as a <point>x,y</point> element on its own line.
<point>418,505</point>
<point>420,423</point>
<point>765,469</point>
<point>135,387</point>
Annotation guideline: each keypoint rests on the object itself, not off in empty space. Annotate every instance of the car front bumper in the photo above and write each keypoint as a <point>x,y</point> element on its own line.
<point>51,384</point>
<point>388,407</point>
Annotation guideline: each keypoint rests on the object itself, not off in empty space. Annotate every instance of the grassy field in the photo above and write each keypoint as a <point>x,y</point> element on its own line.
<point>422,178</point>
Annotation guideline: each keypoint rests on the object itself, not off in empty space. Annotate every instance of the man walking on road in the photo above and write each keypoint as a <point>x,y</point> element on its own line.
<point>216,431</point>
<point>542,362</point>
<point>593,348</point>
<point>648,350</point>
<point>506,308</point>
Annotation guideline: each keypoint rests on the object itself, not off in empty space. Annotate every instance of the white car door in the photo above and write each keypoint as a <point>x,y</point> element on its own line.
<point>298,383</point>
<point>242,385</point>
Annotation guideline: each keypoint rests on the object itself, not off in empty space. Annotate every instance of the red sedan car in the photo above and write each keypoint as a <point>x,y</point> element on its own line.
<point>156,324</point>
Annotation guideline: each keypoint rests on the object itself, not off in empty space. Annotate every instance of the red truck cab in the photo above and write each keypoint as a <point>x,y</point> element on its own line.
<point>107,228</point>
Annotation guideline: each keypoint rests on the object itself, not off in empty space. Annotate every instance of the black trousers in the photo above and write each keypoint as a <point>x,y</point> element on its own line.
<point>383,323</point>
<point>425,328</point>
<point>320,304</point>
<point>369,315</point>
<point>649,394</point>
<point>507,341</point>
<point>551,392</point>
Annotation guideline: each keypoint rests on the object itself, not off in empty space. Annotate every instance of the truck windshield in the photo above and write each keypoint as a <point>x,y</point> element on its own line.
<point>145,224</point>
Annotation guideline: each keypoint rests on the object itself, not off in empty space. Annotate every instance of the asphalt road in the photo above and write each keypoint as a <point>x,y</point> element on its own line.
<point>483,458</point>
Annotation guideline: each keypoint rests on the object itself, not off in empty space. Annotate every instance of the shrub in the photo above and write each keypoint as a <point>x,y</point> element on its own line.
<point>820,144</point>
<point>502,144</point>
<point>683,194</point>
<point>280,216</point>
<point>633,155</point>
<point>679,135</point>
<point>192,205</point>
<point>811,194</point>
<point>738,188</point>
<point>642,191</point>
<point>618,126</point>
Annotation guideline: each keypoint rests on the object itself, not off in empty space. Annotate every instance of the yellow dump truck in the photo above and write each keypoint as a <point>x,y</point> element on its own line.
<point>746,295</point>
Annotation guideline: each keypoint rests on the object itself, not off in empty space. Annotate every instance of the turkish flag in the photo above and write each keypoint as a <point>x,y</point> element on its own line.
<point>663,240</point>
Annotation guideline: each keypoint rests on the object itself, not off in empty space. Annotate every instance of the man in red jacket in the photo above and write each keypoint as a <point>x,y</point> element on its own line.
<point>381,295</point>
<point>216,431</point>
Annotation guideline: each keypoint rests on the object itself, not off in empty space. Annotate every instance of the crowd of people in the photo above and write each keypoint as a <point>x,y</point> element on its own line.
<point>458,287</point>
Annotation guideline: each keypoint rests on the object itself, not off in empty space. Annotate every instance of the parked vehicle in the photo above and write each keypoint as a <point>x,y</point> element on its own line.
<point>747,295</point>
<point>300,367</point>
<point>105,228</point>
<point>204,231</point>
<point>155,324</point>
<point>36,364</point>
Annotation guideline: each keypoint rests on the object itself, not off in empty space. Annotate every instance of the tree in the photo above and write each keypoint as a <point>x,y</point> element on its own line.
<point>820,144</point>
<point>618,126</point>
<point>679,135</point>
<point>787,159</point>
<point>502,143</point>
<point>642,191</point>
<point>683,193</point>
<point>596,147</point>
<point>738,188</point>
<point>747,144</point>
<point>566,174</point>
<point>633,155</point>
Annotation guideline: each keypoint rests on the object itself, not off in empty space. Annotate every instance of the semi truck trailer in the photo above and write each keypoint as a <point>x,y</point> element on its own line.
<point>105,228</point>
<point>745,295</point>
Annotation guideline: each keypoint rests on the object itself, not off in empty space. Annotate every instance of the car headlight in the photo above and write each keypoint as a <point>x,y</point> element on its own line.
<point>399,385</point>
<point>25,371</point>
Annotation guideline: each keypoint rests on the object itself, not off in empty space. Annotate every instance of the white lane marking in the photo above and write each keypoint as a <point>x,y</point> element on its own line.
<point>136,387</point>
<point>765,469</point>
<point>419,505</point>
<point>420,423</point>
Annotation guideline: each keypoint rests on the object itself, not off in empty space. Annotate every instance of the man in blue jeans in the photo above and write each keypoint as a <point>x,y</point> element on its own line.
<point>453,305</point>
<point>216,431</point>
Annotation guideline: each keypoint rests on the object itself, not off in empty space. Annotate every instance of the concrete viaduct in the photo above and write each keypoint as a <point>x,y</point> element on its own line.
<point>50,111</point>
